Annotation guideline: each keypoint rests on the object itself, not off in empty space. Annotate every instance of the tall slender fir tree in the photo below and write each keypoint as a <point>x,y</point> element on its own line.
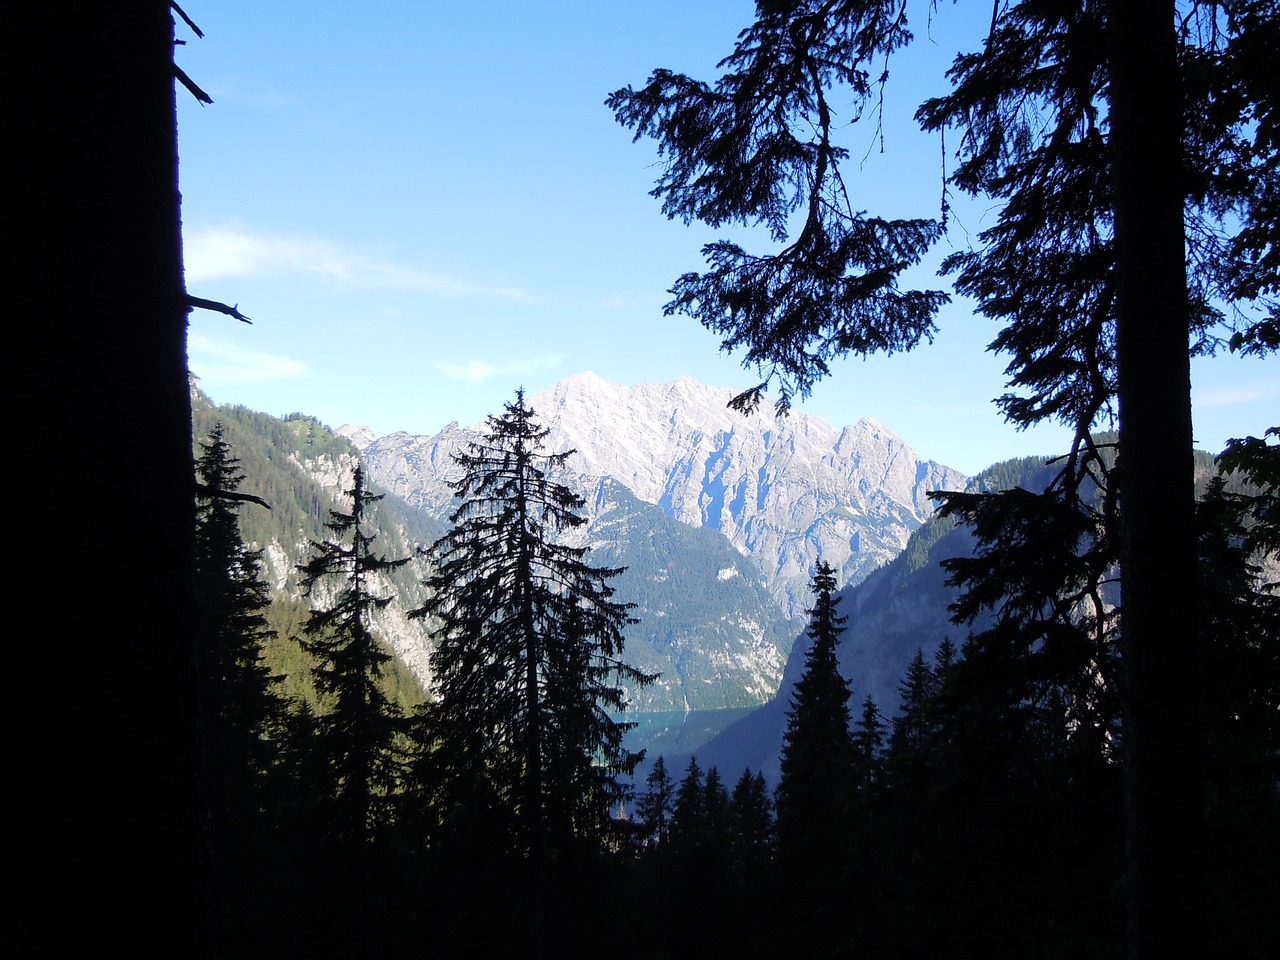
<point>528,649</point>
<point>237,696</point>
<point>751,825</point>
<point>689,814</point>
<point>357,733</point>
<point>242,711</point>
<point>654,806</point>
<point>818,753</point>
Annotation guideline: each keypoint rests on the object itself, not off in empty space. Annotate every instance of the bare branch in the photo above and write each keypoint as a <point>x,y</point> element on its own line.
<point>215,494</point>
<point>189,22</point>
<point>218,307</point>
<point>191,85</point>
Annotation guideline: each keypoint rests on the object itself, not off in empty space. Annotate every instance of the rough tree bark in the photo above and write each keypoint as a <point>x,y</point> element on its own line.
<point>99,218</point>
<point>1157,550</point>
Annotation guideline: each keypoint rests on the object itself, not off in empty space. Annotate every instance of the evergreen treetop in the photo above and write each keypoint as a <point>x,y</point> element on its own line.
<point>689,816</point>
<point>231,601</point>
<point>818,753</point>
<point>358,732</point>
<point>240,706</point>
<point>654,806</point>
<point>528,658</point>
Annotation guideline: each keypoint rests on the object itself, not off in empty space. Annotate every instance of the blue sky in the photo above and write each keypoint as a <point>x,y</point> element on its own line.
<point>425,205</point>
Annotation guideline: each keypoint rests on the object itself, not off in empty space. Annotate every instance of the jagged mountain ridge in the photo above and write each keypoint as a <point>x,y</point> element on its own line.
<point>899,609</point>
<point>303,471</point>
<point>786,492</point>
<point>707,625</point>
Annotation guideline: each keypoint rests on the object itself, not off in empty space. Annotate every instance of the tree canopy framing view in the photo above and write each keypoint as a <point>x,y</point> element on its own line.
<point>1069,118</point>
<point>1092,771</point>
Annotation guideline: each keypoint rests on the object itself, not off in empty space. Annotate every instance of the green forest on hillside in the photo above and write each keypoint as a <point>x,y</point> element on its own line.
<point>297,509</point>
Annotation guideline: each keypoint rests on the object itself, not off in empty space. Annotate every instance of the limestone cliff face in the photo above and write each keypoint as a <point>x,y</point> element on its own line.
<point>707,625</point>
<point>406,637</point>
<point>785,492</point>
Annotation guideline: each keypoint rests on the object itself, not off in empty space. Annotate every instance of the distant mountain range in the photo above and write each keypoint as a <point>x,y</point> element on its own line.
<point>717,517</point>
<point>786,492</point>
<point>897,610</point>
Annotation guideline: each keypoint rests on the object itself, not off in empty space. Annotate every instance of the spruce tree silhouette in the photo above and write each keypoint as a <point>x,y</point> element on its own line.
<point>819,760</point>
<point>241,710</point>
<point>528,661</point>
<point>654,806</point>
<point>357,735</point>
<point>689,814</point>
<point>751,827</point>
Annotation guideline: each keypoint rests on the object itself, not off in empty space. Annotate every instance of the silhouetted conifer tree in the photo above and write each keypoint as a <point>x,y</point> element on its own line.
<point>816,790</point>
<point>654,806</point>
<point>1124,141</point>
<point>357,734</point>
<point>527,662</point>
<point>528,649</point>
<point>242,712</point>
<point>818,753</point>
<point>717,817</point>
<point>913,725</point>
<point>241,707</point>
<point>751,826</point>
<point>689,816</point>
<point>868,741</point>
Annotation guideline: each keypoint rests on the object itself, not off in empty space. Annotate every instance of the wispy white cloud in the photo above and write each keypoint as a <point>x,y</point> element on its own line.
<point>229,363</point>
<point>477,371</point>
<point>1236,393</point>
<point>218,252</point>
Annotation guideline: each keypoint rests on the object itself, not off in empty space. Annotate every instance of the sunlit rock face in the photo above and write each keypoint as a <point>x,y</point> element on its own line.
<point>785,492</point>
<point>718,517</point>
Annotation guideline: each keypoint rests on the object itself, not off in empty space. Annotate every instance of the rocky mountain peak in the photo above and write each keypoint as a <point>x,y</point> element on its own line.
<point>784,491</point>
<point>360,436</point>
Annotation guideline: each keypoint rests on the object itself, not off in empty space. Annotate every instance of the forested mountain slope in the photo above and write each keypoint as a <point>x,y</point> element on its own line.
<point>898,610</point>
<point>707,623</point>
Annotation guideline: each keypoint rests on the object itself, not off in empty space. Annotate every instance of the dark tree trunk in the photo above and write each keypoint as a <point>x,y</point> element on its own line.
<point>98,194</point>
<point>1157,536</point>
